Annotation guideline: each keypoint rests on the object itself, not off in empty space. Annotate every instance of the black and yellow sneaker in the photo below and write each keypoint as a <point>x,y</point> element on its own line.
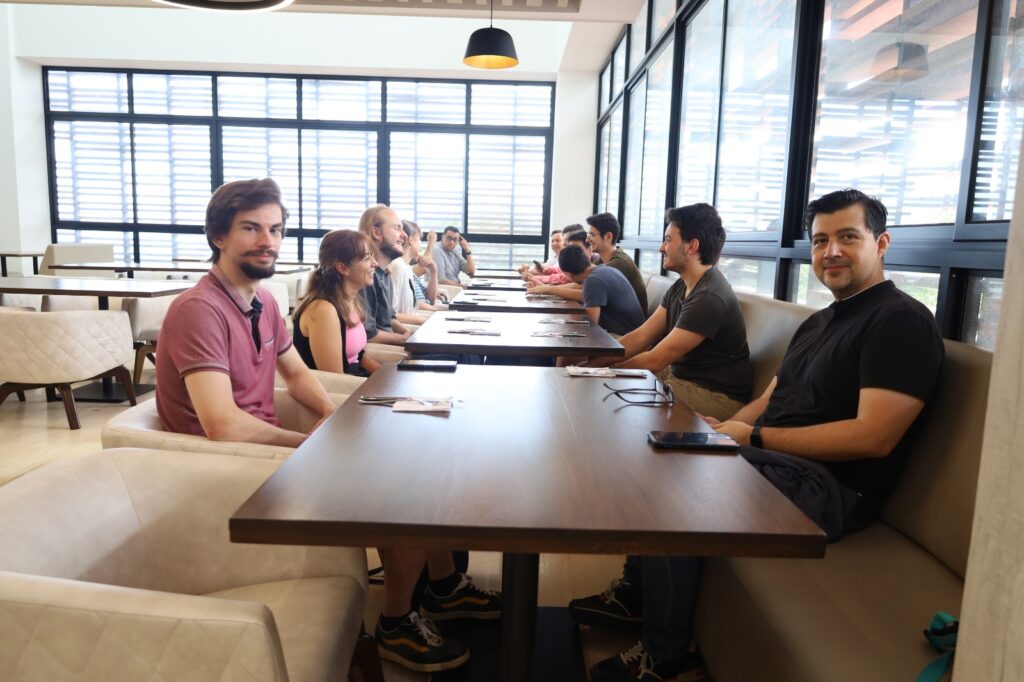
<point>621,605</point>
<point>417,645</point>
<point>466,601</point>
<point>636,665</point>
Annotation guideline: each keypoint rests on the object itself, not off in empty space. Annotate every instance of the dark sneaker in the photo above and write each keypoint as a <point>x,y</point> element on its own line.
<point>467,601</point>
<point>635,664</point>
<point>417,645</point>
<point>621,605</point>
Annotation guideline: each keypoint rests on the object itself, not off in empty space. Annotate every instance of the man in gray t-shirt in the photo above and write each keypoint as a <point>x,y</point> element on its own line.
<point>453,256</point>
<point>608,298</point>
<point>696,340</point>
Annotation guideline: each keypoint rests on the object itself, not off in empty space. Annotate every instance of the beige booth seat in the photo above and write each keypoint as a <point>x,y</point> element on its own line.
<point>656,286</point>
<point>333,382</point>
<point>140,427</point>
<point>55,350</point>
<point>117,566</point>
<point>858,613</point>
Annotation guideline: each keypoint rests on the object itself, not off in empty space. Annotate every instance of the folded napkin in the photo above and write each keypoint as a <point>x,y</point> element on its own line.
<point>559,335</point>
<point>476,332</point>
<point>433,405</point>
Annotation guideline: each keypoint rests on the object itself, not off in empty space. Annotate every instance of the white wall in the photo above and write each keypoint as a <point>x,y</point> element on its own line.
<point>25,224</point>
<point>31,35</point>
<point>572,169</point>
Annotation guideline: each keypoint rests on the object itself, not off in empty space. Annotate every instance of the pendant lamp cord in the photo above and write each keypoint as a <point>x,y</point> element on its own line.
<point>492,13</point>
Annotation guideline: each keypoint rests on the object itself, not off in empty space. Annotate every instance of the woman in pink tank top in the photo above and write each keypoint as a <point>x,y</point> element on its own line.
<point>328,323</point>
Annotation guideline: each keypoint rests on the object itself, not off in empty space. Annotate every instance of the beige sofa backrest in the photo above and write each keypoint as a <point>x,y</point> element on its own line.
<point>149,519</point>
<point>770,326</point>
<point>934,502</point>
<point>657,286</point>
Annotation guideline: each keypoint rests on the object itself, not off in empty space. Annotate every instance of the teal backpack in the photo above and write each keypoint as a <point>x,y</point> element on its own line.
<point>941,633</point>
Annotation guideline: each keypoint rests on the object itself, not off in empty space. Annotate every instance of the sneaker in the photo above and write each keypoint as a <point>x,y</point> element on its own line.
<point>417,645</point>
<point>621,605</point>
<point>467,601</point>
<point>635,664</point>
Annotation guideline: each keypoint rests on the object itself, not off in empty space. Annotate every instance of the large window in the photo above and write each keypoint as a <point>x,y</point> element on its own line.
<point>892,105</point>
<point>918,102</point>
<point>136,154</point>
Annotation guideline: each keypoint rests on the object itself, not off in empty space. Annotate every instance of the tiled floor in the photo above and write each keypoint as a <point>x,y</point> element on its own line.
<point>35,433</point>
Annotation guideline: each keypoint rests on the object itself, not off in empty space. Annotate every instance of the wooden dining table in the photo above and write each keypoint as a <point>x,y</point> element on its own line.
<point>494,284</point>
<point>493,273</point>
<point>512,334</point>
<point>512,302</point>
<point>102,289</point>
<point>34,255</point>
<point>529,460</point>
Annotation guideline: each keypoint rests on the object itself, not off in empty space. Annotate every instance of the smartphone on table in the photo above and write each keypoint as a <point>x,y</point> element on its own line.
<point>691,440</point>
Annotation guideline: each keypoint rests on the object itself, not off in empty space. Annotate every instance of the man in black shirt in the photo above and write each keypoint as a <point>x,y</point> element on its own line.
<point>831,432</point>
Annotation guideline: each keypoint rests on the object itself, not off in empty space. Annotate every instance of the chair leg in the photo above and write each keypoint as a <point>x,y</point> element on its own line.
<point>8,388</point>
<point>21,396</point>
<point>124,376</point>
<point>51,394</point>
<point>69,406</point>
<point>140,362</point>
<point>365,665</point>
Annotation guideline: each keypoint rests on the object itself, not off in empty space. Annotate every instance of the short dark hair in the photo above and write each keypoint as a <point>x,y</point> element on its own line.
<point>700,222</point>
<point>569,229</point>
<point>451,228</point>
<point>605,223</point>
<point>875,214</point>
<point>232,197</point>
<point>410,228</point>
<point>573,260</point>
<point>576,238</point>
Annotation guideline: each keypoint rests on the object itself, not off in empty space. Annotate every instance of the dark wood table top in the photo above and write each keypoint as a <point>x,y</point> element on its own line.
<point>92,286</point>
<point>529,460</point>
<point>515,335</point>
<point>280,261</point>
<point>512,302</point>
<point>21,254</point>
<point>496,274</point>
<point>175,266</point>
<point>494,284</point>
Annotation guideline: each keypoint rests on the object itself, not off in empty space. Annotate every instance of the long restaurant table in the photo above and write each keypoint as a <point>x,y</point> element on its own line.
<point>576,335</point>
<point>512,302</point>
<point>497,274</point>
<point>573,473</point>
<point>494,284</point>
<point>185,267</point>
<point>102,289</point>
<point>34,255</point>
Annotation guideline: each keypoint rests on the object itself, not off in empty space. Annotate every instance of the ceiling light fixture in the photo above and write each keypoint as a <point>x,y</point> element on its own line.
<point>229,5</point>
<point>490,48</point>
<point>901,62</point>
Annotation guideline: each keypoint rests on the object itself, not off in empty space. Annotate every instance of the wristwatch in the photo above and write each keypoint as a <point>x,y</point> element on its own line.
<point>467,253</point>
<point>755,437</point>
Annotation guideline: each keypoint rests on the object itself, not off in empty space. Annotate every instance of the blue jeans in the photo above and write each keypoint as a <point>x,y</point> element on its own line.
<point>670,583</point>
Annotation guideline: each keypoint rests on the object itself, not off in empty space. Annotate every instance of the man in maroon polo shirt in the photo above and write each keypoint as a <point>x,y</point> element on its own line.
<point>222,340</point>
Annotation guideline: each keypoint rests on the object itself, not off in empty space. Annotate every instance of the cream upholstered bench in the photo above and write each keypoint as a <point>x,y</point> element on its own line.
<point>140,427</point>
<point>117,566</point>
<point>858,613</point>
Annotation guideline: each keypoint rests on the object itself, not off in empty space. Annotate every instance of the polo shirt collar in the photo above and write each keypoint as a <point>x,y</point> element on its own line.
<point>221,279</point>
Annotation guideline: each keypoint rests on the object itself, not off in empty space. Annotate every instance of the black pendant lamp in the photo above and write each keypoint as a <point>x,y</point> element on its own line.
<point>229,5</point>
<point>490,48</point>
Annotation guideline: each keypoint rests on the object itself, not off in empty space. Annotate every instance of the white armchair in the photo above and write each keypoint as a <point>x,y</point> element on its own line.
<point>117,566</point>
<point>140,427</point>
<point>55,350</point>
<point>146,316</point>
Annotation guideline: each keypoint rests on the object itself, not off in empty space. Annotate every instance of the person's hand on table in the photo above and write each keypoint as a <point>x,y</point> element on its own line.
<point>739,431</point>
<point>710,421</point>
<point>536,288</point>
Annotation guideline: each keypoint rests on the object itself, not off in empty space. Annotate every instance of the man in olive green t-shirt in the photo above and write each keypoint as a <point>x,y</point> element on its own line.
<point>603,233</point>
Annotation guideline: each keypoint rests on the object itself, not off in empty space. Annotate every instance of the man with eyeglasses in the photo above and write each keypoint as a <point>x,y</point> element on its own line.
<point>450,262</point>
<point>696,340</point>
<point>831,431</point>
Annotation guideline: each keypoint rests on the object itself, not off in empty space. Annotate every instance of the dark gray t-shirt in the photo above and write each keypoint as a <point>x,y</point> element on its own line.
<point>608,289</point>
<point>721,362</point>
<point>379,306</point>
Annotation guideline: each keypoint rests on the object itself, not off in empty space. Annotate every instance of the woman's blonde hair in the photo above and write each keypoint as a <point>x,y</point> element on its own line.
<point>325,282</point>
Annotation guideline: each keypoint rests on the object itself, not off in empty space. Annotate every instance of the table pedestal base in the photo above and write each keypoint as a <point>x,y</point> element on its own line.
<point>104,392</point>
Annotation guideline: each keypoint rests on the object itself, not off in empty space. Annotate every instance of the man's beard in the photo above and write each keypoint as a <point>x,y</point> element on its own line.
<point>392,251</point>
<point>256,272</point>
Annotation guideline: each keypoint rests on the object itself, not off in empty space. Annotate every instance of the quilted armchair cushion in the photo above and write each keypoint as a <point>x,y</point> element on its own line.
<point>146,315</point>
<point>140,427</point>
<point>64,347</point>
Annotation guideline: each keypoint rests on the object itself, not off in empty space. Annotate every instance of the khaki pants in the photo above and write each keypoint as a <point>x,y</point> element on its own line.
<point>700,399</point>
